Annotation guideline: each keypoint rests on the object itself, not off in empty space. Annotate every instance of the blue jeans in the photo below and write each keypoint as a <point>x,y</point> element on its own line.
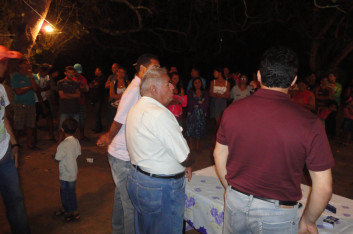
<point>64,116</point>
<point>12,195</point>
<point>246,214</point>
<point>159,203</point>
<point>123,210</point>
<point>68,195</point>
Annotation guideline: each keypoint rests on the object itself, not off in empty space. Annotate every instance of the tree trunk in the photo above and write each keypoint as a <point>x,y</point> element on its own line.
<point>338,59</point>
<point>26,31</point>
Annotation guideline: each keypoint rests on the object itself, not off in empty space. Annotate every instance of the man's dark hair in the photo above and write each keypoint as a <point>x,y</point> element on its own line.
<point>69,68</point>
<point>145,60</point>
<point>278,67</point>
<point>69,126</point>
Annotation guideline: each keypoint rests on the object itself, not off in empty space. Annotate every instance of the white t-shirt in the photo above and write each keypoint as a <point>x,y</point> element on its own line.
<point>68,151</point>
<point>131,95</point>
<point>154,138</point>
<point>236,94</point>
<point>4,135</point>
<point>42,83</point>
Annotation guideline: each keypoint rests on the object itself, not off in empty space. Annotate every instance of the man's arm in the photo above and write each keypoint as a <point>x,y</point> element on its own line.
<point>105,139</point>
<point>220,154</point>
<point>69,95</point>
<point>320,195</point>
<point>20,91</point>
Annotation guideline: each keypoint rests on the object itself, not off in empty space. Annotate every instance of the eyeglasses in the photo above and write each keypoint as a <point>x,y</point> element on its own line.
<point>243,78</point>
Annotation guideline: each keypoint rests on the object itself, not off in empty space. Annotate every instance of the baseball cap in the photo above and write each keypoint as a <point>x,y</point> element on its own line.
<point>6,53</point>
<point>78,68</point>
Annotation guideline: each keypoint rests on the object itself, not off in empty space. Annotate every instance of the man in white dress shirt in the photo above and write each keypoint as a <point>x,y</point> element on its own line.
<point>119,160</point>
<point>159,155</point>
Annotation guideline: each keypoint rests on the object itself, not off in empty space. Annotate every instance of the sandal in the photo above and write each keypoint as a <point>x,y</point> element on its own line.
<point>72,217</point>
<point>60,212</point>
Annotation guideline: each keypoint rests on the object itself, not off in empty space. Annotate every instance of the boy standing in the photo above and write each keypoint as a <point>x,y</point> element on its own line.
<point>67,152</point>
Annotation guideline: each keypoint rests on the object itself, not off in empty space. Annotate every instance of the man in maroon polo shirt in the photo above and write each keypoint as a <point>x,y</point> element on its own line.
<point>262,145</point>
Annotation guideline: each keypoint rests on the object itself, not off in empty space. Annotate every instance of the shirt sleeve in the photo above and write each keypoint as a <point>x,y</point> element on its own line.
<point>319,154</point>
<point>221,133</point>
<point>6,100</point>
<point>60,152</point>
<point>129,98</point>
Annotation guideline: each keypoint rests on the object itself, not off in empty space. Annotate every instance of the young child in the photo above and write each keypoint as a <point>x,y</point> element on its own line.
<point>67,152</point>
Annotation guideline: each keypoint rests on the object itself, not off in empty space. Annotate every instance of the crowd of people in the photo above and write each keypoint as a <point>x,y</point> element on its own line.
<point>147,150</point>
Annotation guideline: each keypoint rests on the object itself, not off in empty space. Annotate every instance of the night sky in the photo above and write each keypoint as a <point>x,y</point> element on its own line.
<point>202,33</point>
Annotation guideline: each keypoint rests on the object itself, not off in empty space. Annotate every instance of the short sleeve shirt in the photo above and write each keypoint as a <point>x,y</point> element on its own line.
<point>4,135</point>
<point>269,139</point>
<point>67,153</point>
<point>154,138</point>
<point>131,95</point>
<point>20,81</point>
<point>68,106</point>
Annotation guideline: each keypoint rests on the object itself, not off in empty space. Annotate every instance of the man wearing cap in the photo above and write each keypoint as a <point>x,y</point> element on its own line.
<point>159,154</point>
<point>261,164</point>
<point>42,106</point>
<point>119,159</point>
<point>9,182</point>
<point>84,88</point>
<point>24,85</point>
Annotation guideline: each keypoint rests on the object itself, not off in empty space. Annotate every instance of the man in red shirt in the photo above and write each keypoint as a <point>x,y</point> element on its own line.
<point>263,143</point>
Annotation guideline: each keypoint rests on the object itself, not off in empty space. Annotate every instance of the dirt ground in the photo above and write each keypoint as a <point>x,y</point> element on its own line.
<point>95,188</point>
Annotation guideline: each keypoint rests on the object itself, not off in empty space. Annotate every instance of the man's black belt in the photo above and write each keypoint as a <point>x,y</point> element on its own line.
<point>285,203</point>
<point>176,176</point>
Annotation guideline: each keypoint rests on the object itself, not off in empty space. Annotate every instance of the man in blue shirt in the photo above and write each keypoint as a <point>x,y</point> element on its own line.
<point>24,85</point>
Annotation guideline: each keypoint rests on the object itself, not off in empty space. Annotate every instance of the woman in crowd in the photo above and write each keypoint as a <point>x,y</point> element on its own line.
<point>179,98</point>
<point>219,91</point>
<point>198,101</point>
<point>116,89</point>
<point>242,90</point>
<point>303,97</point>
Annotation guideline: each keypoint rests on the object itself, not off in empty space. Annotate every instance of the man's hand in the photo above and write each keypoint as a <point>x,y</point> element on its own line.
<point>188,173</point>
<point>14,155</point>
<point>305,228</point>
<point>103,141</point>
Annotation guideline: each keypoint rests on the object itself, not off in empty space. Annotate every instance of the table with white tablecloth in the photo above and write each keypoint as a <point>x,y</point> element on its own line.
<point>204,203</point>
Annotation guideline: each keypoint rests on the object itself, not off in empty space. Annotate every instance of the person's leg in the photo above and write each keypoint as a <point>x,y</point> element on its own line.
<point>236,208</point>
<point>173,205</point>
<point>12,195</point>
<point>30,125</point>
<point>146,195</point>
<point>49,119</point>
<point>123,210</point>
<point>64,195</point>
<point>19,120</point>
<point>159,203</point>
